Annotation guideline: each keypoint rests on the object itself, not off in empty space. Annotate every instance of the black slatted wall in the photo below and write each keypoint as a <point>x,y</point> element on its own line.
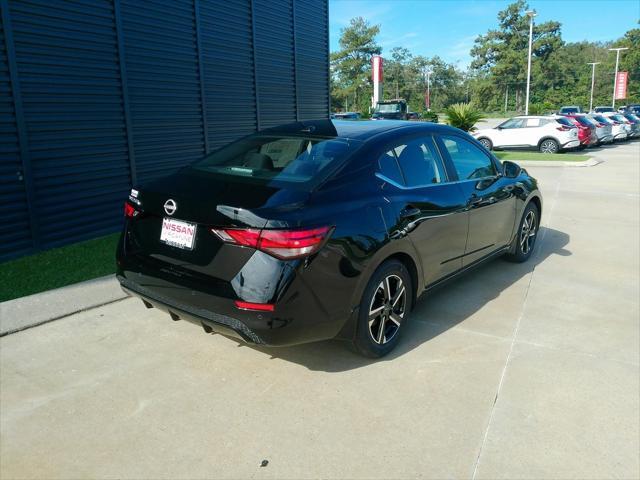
<point>98,95</point>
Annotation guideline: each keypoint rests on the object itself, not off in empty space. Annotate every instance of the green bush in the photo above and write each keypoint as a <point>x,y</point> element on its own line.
<point>463,116</point>
<point>430,117</point>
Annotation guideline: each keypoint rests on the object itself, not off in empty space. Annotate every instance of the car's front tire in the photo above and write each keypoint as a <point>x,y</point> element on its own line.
<point>525,238</point>
<point>549,145</point>
<point>385,305</point>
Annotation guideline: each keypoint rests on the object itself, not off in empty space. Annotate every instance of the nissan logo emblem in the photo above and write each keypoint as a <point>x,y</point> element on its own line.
<point>170,206</point>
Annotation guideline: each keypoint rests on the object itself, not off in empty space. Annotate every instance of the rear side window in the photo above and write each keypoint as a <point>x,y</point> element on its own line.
<point>278,160</point>
<point>536,122</point>
<point>419,163</point>
<point>564,121</point>
<point>388,166</point>
<point>584,121</point>
<point>469,161</point>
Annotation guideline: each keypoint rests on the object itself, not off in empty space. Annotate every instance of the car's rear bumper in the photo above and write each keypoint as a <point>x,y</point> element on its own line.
<point>299,315</point>
<point>571,144</point>
<point>210,321</point>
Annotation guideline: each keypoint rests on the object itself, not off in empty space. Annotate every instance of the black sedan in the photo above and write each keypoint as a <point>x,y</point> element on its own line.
<point>323,229</point>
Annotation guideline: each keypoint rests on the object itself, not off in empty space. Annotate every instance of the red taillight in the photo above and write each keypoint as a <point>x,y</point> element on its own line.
<point>283,244</point>
<point>259,307</point>
<point>129,210</point>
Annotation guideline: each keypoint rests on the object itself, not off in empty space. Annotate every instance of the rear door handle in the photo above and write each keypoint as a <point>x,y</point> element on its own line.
<point>409,211</point>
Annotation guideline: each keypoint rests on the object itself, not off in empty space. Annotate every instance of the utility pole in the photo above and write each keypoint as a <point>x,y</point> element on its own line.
<point>428,73</point>
<point>593,82</point>
<point>531,14</point>
<point>615,75</point>
<point>506,98</point>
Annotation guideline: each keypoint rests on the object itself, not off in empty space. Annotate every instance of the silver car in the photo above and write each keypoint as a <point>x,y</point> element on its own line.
<point>604,129</point>
<point>620,129</point>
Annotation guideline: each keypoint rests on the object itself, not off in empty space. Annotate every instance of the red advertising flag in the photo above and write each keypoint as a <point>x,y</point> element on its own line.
<point>621,85</point>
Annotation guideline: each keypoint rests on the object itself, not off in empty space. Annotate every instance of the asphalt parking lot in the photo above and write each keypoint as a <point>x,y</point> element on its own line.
<point>515,371</point>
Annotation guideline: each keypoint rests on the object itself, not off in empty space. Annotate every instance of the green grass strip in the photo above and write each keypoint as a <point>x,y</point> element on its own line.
<point>554,157</point>
<point>58,267</point>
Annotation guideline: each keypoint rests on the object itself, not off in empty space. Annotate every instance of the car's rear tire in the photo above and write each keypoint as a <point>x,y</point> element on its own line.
<point>525,238</point>
<point>549,145</point>
<point>486,143</point>
<point>385,305</point>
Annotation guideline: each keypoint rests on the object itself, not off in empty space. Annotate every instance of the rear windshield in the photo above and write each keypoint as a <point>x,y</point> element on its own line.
<point>618,118</point>
<point>569,110</point>
<point>565,122</point>
<point>600,118</point>
<point>584,121</point>
<point>279,160</point>
<point>388,108</point>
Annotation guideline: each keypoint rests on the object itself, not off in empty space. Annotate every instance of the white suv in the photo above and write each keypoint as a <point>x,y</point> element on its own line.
<point>549,134</point>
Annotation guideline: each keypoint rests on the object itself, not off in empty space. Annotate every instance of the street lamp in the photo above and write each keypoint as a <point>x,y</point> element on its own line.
<point>531,14</point>
<point>615,75</point>
<point>428,73</point>
<point>593,81</point>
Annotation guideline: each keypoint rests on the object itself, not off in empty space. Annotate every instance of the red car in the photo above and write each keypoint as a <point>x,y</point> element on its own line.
<point>586,130</point>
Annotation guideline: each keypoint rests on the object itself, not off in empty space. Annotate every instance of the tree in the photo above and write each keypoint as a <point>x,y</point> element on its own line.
<point>630,62</point>
<point>396,70</point>
<point>501,55</point>
<point>351,65</point>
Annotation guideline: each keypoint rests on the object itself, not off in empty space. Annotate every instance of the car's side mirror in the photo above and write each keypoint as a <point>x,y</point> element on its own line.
<point>510,169</point>
<point>499,127</point>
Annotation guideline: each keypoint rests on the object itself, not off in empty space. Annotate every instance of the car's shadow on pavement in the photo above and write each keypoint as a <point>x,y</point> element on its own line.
<point>434,313</point>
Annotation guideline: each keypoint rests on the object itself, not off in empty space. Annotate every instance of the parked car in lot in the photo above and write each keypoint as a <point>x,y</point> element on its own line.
<point>633,108</point>
<point>570,109</point>
<point>624,130</point>
<point>635,123</point>
<point>603,128</point>
<point>586,130</point>
<point>617,128</point>
<point>346,116</point>
<point>548,134</point>
<point>323,229</point>
<point>604,109</point>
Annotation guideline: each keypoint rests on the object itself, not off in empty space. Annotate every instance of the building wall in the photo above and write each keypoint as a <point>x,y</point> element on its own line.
<point>97,95</point>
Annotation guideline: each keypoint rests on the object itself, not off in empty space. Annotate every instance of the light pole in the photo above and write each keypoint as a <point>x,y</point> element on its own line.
<point>531,14</point>
<point>428,73</point>
<point>615,75</point>
<point>593,81</point>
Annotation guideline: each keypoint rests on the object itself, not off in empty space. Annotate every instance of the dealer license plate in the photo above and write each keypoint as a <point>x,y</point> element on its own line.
<point>178,234</point>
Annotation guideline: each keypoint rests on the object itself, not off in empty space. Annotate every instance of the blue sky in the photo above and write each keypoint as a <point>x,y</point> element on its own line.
<point>448,27</point>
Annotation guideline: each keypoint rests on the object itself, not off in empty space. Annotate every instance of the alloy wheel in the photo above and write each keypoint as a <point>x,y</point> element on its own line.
<point>528,232</point>
<point>387,309</point>
<point>549,146</point>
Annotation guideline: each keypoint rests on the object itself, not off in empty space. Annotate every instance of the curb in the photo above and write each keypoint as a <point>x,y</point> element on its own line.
<point>33,310</point>
<point>591,162</point>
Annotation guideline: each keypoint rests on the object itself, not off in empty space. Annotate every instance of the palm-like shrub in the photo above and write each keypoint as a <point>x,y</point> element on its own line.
<point>463,116</point>
<point>430,117</point>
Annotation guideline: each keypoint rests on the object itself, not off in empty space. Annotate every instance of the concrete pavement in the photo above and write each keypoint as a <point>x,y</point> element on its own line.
<point>515,371</point>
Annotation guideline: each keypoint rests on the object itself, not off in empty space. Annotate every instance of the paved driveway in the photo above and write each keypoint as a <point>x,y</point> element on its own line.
<point>514,371</point>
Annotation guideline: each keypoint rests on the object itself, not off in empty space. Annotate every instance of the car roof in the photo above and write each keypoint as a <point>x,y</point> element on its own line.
<point>361,130</point>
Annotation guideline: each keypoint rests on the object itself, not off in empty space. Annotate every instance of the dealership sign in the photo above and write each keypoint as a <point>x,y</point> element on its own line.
<point>621,85</point>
